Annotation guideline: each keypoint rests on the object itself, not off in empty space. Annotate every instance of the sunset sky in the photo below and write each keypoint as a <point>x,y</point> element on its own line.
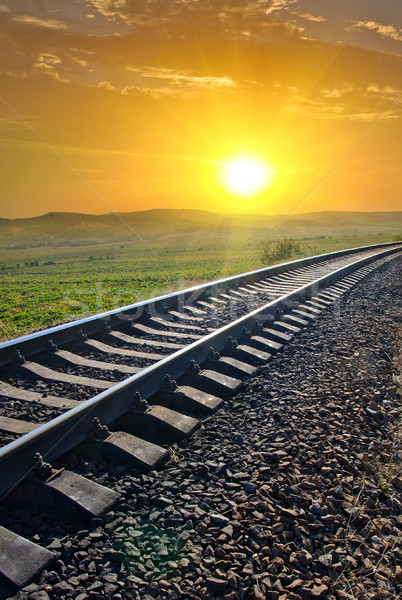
<point>124,105</point>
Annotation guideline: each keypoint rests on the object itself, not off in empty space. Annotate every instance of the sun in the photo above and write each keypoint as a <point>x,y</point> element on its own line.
<point>245,177</point>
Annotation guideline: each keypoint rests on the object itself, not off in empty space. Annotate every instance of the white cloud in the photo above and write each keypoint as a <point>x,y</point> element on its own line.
<point>48,69</point>
<point>109,9</point>
<point>279,5</point>
<point>348,102</point>
<point>385,31</point>
<point>175,82</point>
<point>35,21</point>
<point>310,17</point>
<point>49,59</point>
<point>189,80</point>
<point>106,85</point>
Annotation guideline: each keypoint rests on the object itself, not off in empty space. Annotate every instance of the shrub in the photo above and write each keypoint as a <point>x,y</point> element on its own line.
<point>280,250</point>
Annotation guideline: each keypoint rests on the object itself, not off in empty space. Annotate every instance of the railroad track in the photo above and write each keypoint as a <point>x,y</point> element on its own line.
<point>125,384</point>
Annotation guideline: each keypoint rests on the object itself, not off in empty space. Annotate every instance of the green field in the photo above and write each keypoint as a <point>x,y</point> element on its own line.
<point>44,286</point>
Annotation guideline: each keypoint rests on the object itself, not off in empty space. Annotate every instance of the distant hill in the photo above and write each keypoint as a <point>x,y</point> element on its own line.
<point>58,229</point>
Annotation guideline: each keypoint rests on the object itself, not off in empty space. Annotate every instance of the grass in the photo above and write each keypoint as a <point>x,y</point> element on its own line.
<point>388,469</point>
<point>387,465</point>
<point>383,471</point>
<point>41,287</point>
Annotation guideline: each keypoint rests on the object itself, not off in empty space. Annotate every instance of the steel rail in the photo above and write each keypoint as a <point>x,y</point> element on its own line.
<point>59,435</point>
<point>33,343</point>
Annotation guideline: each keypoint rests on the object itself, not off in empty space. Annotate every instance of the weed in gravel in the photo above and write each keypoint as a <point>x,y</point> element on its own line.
<point>147,548</point>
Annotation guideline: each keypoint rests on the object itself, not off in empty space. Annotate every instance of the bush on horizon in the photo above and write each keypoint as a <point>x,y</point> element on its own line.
<point>283,249</point>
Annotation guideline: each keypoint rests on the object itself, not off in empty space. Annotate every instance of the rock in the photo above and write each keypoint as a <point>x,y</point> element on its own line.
<point>397,483</point>
<point>250,488</point>
<point>272,595</point>
<point>55,545</point>
<point>228,531</point>
<point>308,486</point>
<point>61,588</point>
<point>240,476</point>
<point>216,585</point>
<point>305,593</point>
<point>257,593</point>
<point>326,560</point>
<point>52,577</point>
<point>319,591</point>
<point>184,563</point>
<point>232,579</point>
<point>275,457</point>
<point>287,515</point>
<point>39,595</point>
<point>243,592</point>
<point>163,501</point>
<point>219,519</point>
<point>296,583</point>
<point>248,570</point>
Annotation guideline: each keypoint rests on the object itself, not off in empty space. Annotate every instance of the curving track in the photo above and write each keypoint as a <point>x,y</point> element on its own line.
<point>61,388</point>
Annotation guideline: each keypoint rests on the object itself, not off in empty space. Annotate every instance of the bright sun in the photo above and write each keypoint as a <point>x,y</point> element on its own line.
<point>245,177</point>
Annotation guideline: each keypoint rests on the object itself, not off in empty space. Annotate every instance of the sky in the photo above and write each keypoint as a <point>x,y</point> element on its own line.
<point>125,105</point>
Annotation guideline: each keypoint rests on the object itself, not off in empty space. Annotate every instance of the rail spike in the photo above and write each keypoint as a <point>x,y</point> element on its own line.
<point>291,304</point>
<point>164,309</point>
<point>82,336</point>
<point>231,344</point>
<point>213,354</point>
<point>19,358</point>
<point>169,385</point>
<point>106,328</point>
<point>139,405</point>
<point>245,335</point>
<point>146,315</point>
<point>42,469</point>
<point>99,432</point>
<point>193,368</point>
<point>52,347</point>
<point>258,327</point>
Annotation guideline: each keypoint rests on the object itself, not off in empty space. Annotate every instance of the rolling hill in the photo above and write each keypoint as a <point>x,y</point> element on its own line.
<point>60,228</point>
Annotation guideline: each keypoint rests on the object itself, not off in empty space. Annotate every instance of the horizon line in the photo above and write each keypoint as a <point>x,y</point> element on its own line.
<point>228,214</point>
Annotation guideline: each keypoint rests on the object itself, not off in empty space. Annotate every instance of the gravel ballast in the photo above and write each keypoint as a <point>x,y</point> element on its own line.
<point>290,492</point>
